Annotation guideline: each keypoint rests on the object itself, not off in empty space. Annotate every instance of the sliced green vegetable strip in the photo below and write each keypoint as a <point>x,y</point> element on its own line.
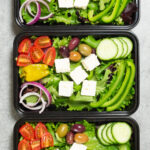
<point>122,7</point>
<point>103,13</point>
<point>119,78</point>
<point>128,88</point>
<point>110,18</point>
<point>120,91</point>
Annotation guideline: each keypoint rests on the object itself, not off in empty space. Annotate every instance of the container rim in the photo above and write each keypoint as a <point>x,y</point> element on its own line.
<point>131,121</point>
<point>77,113</point>
<point>71,28</point>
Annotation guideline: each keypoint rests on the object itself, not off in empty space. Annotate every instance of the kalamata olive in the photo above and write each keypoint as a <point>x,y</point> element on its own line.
<point>75,56</point>
<point>74,43</point>
<point>85,50</point>
<point>62,130</point>
<point>81,138</point>
<point>64,51</point>
<point>70,137</point>
<point>93,51</point>
<point>78,128</point>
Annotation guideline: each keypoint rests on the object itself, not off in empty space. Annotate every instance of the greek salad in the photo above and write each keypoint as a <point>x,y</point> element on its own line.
<point>76,73</point>
<point>117,12</point>
<point>80,135</point>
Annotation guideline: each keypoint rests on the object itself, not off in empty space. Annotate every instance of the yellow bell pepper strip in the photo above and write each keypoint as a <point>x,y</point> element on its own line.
<point>35,72</point>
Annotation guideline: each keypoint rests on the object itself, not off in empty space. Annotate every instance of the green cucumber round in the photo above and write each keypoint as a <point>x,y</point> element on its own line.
<point>129,43</point>
<point>104,134</point>
<point>125,47</point>
<point>120,47</point>
<point>107,49</point>
<point>121,132</point>
<point>109,134</point>
<point>99,134</point>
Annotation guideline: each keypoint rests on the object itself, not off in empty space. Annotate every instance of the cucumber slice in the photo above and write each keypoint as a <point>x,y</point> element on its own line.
<point>129,43</point>
<point>125,47</point>
<point>121,132</point>
<point>109,134</point>
<point>124,147</point>
<point>99,134</point>
<point>104,134</point>
<point>107,49</point>
<point>120,47</point>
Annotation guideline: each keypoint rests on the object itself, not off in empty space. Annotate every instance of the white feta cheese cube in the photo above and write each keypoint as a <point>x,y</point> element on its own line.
<point>88,88</point>
<point>81,4</point>
<point>62,65</point>
<point>90,62</point>
<point>65,88</point>
<point>78,75</point>
<point>76,146</point>
<point>66,3</point>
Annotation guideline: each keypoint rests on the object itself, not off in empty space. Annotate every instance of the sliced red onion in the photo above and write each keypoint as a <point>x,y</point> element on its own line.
<point>26,105</point>
<point>39,99</point>
<point>21,8</point>
<point>40,107</point>
<point>37,16</point>
<point>41,87</point>
<point>31,108</point>
<point>41,18</point>
<point>43,106</point>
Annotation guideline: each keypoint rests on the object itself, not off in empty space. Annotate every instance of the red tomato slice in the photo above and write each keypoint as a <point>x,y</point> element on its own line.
<point>23,60</point>
<point>27,131</point>
<point>47,140</point>
<point>49,57</point>
<point>35,144</point>
<point>25,46</point>
<point>24,145</point>
<point>36,54</point>
<point>43,42</point>
<point>40,130</point>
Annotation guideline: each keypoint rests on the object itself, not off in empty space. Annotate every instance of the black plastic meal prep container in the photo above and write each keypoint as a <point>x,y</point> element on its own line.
<point>51,110</point>
<point>135,140</point>
<point>69,28</point>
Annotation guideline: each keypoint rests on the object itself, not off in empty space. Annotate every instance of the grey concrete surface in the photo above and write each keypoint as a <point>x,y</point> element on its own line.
<point>8,115</point>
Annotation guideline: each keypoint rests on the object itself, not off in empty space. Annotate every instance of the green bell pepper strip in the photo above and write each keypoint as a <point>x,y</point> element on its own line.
<point>91,41</point>
<point>123,6</point>
<point>128,88</point>
<point>114,86</point>
<point>120,91</point>
<point>110,18</point>
<point>102,68</point>
<point>101,14</point>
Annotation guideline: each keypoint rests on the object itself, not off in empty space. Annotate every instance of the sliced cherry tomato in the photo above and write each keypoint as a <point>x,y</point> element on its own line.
<point>24,145</point>
<point>43,42</point>
<point>49,57</point>
<point>36,54</point>
<point>35,144</point>
<point>23,60</point>
<point>47,140</point>
<point>24,46</point>
<point>40,129</point>
<point>27,131</point>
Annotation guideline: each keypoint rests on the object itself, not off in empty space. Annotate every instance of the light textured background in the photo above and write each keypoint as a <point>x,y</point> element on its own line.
<point>8,115</point>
